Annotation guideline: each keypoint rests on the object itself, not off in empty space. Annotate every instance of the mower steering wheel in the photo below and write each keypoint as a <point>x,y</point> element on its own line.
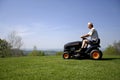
<point>83,38</point>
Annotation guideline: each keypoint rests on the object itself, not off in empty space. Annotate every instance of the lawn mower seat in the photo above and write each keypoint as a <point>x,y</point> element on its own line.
<point>97,42</point>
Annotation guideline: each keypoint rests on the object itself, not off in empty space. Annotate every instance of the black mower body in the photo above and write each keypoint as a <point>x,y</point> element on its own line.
<point>71,47</point>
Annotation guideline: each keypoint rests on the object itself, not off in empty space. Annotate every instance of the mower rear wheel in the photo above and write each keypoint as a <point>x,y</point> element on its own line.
<point>96,54</point>
<point>66,56</point>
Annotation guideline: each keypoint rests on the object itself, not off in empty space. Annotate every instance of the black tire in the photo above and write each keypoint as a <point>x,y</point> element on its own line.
<point>66,55</point>
<point>96,54</point>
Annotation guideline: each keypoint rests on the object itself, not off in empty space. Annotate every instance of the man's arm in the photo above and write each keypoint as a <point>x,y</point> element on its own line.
<point>87,35</point>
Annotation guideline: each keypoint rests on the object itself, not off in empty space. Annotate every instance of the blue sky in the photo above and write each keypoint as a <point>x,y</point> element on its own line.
<point>49,24</point>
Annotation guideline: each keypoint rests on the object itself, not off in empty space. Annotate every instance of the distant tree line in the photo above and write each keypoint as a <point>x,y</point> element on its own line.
<point>36,52</point>
<point>59,53</point>
<point>113,49</point>
<point>8,49</point>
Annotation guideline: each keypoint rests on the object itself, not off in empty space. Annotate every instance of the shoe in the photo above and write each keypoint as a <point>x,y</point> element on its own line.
<point>77,55</point>
<point>78,50</point>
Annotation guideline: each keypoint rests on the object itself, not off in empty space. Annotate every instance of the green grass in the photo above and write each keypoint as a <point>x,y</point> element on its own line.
<point>56,68</point>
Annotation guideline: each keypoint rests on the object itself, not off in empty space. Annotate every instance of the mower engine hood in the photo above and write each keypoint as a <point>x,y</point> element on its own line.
<point>75,43</point>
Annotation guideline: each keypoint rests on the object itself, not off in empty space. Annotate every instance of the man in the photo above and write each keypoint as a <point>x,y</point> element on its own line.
<point>92,33</point>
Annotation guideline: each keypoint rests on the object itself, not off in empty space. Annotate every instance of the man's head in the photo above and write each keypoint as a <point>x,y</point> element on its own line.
<point>90,25</point>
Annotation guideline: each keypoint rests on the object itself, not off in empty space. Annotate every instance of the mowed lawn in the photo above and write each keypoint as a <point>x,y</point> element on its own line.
<point>56,68</point>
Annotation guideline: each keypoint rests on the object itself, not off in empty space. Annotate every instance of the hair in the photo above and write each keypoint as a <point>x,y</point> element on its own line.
<point>91,24</point>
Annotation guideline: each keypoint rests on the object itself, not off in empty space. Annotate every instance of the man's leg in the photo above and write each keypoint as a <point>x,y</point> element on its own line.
<point>84,45</point>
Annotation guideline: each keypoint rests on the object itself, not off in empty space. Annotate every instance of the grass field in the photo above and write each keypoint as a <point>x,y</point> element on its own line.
<point>56,68</point>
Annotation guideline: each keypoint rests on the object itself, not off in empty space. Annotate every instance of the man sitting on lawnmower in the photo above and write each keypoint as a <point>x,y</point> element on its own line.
<point>92,33</point>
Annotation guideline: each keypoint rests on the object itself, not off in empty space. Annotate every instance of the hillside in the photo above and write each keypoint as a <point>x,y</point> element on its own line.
<point>56,68</point>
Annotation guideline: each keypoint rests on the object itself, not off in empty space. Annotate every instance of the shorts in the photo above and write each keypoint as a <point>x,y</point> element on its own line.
<point>91,41</point>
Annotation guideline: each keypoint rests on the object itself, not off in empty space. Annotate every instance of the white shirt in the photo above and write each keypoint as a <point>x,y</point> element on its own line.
<point>93,34</point>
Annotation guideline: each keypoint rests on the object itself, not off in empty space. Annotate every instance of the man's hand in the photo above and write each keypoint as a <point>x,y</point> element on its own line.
<point>82,37</point>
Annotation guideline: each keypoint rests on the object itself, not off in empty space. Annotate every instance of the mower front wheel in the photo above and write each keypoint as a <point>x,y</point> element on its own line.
<point>66,55</point>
